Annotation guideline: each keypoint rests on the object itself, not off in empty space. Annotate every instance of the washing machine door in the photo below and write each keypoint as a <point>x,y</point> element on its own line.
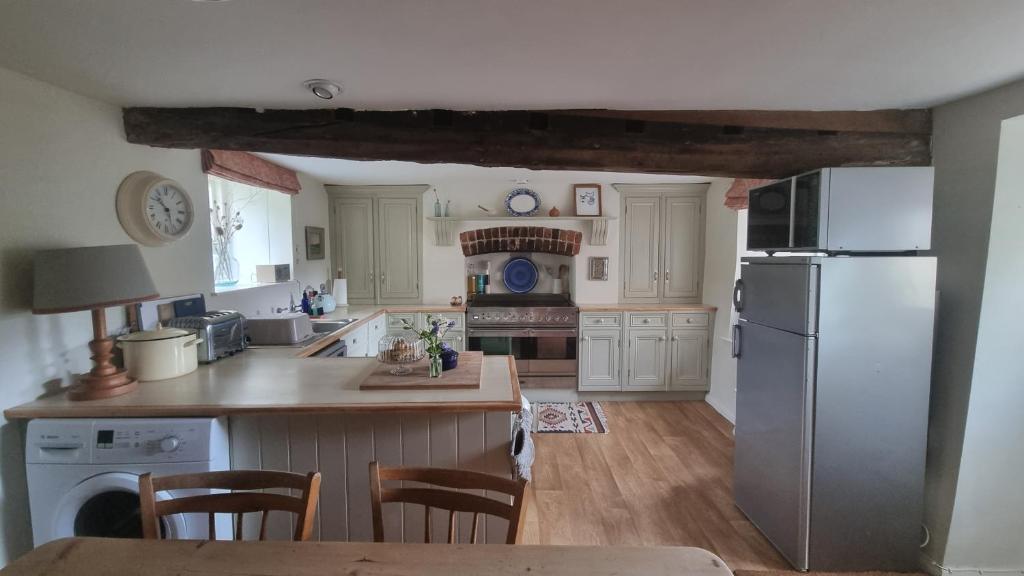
<point>107,505</point>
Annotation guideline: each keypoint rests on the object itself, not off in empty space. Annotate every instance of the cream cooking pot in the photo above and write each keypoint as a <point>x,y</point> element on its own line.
<point>160,354</point>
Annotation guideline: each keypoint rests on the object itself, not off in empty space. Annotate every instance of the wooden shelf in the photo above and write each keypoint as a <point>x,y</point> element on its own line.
<point>444,226</point>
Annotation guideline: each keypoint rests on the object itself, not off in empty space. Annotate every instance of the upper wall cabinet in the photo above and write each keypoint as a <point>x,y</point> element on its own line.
<point>377,234</point>
<point>662,242</point>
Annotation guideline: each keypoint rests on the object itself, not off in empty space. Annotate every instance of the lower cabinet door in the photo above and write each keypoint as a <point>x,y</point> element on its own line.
<point>599,360</point>
<point>688,360</point>
<point>646,360</point>
<point>358,342</point>
<point>457,340</point>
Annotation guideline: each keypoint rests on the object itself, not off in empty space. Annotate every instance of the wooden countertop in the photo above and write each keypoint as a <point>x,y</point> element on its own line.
<point>270,381</point>
<point>113,557</point>
<point>615,307</point>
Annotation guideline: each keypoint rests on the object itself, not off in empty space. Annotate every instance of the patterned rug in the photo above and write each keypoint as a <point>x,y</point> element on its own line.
<point>570,417</point>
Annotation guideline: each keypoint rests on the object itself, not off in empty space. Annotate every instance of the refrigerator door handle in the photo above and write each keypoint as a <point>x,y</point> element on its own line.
<point>736,335</point>
<point>737,295</point>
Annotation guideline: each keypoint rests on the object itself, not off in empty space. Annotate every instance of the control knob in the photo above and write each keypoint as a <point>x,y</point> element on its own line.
<point>170,444</point>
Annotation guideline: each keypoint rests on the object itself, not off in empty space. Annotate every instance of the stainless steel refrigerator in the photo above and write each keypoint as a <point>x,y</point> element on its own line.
<point>834,366</point>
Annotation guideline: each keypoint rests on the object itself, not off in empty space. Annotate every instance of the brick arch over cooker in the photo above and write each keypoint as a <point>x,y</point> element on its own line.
<point>521,239</point>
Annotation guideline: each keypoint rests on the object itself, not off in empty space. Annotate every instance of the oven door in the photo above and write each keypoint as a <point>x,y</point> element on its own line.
<point>539,352</point>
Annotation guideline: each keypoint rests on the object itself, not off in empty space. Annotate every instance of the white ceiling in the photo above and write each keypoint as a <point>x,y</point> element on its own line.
<point>337,171</point>
<point>502,54</point>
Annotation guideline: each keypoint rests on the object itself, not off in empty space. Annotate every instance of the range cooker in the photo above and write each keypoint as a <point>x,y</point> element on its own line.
<point>539,330</point>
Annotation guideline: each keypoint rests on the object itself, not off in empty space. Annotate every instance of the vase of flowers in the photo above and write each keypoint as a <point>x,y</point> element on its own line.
<point>436,328</point>
<point>225,223</point>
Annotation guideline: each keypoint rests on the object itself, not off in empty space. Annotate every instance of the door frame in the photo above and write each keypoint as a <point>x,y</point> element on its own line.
<point>375,192</point>
<point>695,190</point>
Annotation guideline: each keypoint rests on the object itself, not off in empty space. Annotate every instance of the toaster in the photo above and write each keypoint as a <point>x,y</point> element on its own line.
<point>222,331</point>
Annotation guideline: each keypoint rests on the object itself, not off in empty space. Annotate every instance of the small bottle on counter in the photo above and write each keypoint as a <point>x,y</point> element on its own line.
<point>305,302</point>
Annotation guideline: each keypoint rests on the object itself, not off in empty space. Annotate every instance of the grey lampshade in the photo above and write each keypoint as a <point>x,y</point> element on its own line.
<point>71,279</point>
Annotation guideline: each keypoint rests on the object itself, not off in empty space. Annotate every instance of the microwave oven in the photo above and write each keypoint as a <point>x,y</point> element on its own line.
<point>843,210</point>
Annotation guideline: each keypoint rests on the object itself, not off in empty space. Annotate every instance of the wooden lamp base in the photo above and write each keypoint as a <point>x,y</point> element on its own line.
<point>105,380</point>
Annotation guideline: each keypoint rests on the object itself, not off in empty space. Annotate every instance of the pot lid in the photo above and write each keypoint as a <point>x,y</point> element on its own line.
<point>160,333</point>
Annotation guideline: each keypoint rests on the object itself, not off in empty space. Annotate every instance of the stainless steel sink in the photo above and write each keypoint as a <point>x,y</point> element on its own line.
<point>325,326</point>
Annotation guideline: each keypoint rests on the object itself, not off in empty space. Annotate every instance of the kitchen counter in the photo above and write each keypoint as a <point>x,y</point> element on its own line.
<point>275,381</point>
<point>111,557</point>
<point>617,307</point>
<point>363,313</point>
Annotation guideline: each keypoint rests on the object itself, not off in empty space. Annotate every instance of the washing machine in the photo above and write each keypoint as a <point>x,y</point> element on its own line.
<point>83,474</point>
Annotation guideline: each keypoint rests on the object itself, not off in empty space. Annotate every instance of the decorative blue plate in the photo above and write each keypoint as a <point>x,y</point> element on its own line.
<point>522,202</point>
<point>520,275</point>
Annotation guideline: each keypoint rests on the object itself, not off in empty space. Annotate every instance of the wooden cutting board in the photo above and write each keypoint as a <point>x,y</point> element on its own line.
<point>465,376</point>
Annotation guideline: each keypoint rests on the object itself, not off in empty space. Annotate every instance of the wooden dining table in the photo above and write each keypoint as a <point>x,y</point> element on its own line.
<point>115,557</point>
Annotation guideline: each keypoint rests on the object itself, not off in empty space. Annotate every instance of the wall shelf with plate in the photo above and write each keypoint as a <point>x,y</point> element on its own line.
<point>444,226</point>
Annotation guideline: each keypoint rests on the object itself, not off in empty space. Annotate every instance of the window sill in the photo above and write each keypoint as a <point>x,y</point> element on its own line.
<point>252,286</point>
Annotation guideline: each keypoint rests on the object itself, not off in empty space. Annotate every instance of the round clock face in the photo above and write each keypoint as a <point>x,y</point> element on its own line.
<point>154,210</point>
<point>168,210</point>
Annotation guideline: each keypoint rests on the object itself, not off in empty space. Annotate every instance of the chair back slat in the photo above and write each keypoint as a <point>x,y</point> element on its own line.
<point>451,499</point>
<point>238,503</point>
<point>426,525</point>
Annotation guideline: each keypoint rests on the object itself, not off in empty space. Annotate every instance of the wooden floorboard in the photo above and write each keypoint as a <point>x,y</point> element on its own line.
<point>662,476</point>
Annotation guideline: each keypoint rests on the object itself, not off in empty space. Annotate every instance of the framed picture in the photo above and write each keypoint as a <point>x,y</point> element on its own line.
<point>588,199</point>
<point>316,239</point>
<point>599,268</point>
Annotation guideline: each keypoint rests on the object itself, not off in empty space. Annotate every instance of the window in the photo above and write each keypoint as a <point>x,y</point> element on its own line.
<point>249,226</point>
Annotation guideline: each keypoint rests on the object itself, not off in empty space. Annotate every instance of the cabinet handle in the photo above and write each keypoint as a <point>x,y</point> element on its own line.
<point>661,338</point>
<point>666,276</point>
<point>675,338</point>
<point>381,278</point>
<point>647,320</point>
<point>371,275</point>
<point>586,338</point>
<point>655,275</point>
<point>458,338</point>
<point>599,321</point>
<point>737,335</point>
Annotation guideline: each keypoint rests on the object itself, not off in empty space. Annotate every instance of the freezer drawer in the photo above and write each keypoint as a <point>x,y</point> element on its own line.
<point>780,295</point>
<point>774,396</point>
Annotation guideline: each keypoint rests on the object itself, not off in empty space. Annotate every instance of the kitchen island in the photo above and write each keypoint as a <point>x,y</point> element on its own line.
<point>290,412</point>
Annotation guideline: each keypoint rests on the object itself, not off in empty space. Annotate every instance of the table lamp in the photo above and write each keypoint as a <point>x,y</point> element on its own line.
<point>93,278</point>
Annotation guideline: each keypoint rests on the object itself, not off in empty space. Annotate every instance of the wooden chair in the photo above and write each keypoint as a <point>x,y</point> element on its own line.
<point>449,500</point>
<point>237,503</point>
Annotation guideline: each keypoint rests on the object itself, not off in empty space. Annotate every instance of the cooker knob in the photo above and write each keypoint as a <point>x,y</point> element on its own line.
<point>170,444</point>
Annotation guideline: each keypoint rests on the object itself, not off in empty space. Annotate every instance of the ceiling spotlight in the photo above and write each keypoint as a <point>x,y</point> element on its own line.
<point>322,88</point>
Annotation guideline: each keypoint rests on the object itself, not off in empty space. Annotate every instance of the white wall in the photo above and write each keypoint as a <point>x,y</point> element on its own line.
<point>720,268</point>
<point>987,528</point>
<point>62,157</point>
<point>965,152</point>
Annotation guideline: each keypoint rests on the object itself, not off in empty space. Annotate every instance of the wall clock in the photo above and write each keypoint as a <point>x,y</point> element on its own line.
<point>154,210</point>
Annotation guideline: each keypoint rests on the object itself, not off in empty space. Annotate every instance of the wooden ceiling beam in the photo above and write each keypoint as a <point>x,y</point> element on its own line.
<point>913,121</point>
<point>708,143</point>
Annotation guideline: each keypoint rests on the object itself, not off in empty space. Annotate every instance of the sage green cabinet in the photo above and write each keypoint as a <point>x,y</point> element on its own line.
<point>353,247</point>
<point>645,360</point>
<point>599,358</point>
<point>377,233</point>
<point>399,253</point>
<point>683,258</point>
<point>662,242</point>
<point>688,359</point>
<point>456,337</point>
<point>641,240</point>
<point>645,351</point>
